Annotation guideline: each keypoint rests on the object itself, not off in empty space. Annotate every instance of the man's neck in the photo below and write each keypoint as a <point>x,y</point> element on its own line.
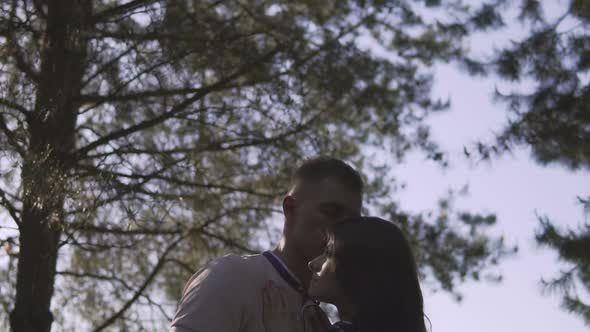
<point>295,263</point>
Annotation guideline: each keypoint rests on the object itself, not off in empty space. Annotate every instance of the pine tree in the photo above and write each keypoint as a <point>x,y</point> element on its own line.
<point>141,138</point>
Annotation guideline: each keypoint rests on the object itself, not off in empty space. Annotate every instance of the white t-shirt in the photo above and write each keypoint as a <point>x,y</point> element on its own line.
<point>255,293</point>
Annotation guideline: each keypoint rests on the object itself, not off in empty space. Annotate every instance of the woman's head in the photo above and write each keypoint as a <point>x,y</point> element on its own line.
<point>369,265</point>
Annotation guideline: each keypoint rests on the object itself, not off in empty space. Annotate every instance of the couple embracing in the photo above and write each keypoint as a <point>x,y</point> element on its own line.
<point>328,253</point>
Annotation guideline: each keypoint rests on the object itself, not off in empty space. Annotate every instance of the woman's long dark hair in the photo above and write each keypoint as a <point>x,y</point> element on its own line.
<point>376,269</point>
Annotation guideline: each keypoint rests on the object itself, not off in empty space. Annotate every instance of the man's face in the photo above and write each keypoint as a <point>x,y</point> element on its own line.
<point>317,206</point>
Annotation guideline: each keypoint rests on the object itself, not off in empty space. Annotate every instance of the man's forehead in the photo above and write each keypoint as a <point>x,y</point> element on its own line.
<point>331,190</point>
<point>328,184</point>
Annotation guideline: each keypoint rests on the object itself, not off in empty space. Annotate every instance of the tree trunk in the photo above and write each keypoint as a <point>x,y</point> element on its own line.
<point>46,166</point>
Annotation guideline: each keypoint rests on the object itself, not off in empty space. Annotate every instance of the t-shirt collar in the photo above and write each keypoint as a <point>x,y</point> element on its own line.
<point>283,270</point>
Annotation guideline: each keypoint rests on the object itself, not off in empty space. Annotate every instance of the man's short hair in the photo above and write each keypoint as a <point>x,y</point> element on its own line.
<point>320,168</point>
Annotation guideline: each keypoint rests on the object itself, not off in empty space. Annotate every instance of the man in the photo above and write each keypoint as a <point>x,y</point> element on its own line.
<point>267,292</point>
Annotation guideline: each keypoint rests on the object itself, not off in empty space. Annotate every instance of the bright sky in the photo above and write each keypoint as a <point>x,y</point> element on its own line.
<point>513,187</point>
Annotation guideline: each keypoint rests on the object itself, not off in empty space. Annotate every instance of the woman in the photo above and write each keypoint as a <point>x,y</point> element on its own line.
<point>368,272</point>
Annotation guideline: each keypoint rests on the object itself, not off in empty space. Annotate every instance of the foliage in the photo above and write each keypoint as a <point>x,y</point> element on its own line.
<point>142,138</point>
<point>552,117</point>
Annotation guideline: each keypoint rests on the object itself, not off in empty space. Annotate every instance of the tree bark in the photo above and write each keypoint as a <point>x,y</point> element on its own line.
<point>46,165</point>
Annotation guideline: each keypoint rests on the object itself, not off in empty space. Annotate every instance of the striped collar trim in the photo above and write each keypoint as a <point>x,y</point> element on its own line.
<point>283,271</point>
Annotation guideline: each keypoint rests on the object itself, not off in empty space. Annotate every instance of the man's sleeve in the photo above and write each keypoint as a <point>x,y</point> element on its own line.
<point>213,299</point>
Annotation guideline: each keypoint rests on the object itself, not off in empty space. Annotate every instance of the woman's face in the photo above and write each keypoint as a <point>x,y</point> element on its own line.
<point>323,285</point>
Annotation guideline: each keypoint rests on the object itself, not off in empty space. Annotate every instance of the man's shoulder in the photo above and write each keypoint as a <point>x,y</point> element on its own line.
<point>231,268</point>
<point>237,263</point>
<point>218,295</point>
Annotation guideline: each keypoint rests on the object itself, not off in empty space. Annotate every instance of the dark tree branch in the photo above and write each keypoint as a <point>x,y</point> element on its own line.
<point>158,35</point>
<point>108,64</point>
<point>10,240</point>
<point>134,151</point>
<point>176,109</point>
<point>12,41</point>
<point>10,136</point>
<point>229,242</point>
<point>14,106</point>
<point>157,305</point>
<point>156,232</point>
<point>181,264</point>
<point>23,66</point>
<point>222,83</point>
<point>97,247</point>
<point>184,232</point>
<point>120,87</point>
<point>136,187</point>
<point>224,145</point>
<point>94,276</point>
<point>12,210</point>
<point>141,289</point>
<point>112,278</point>
<point>39,10</point>
<point>120,10</point>
<point>132,96</point>
<point>175,181</point>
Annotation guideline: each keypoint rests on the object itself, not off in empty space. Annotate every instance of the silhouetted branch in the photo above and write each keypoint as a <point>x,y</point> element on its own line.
<point>176,109</point>
<point>14,106</point>
<point>176,181</point>
<point>94,276</point>
<point>105,66</point>
<point>112,278</point>
<point>229,242</point>
<point>10,136</point>
<point>120,10</point>
<point>12,210</point>
<point>13,47</point>
<point>142,72</point>
<point>165,231</point>
<point>21,63</point>
<point>136,95</point>
<point>182,264</point>
<point>141,289</point>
